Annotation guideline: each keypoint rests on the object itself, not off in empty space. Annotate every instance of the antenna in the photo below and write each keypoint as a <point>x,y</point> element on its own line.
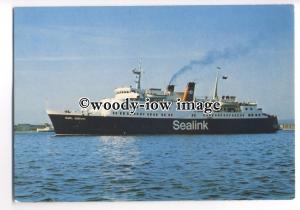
<point>215,96</point>
<point>138,72</point>
<point>140,65</point>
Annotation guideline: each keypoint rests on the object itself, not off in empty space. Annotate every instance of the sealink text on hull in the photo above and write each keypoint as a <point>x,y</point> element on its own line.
<point>233,117</point>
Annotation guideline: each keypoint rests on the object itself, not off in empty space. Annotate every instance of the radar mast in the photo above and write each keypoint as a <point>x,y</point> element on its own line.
<point>138,73</point>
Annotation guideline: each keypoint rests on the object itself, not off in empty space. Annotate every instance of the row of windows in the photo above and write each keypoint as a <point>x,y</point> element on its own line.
<point>228,115</point>
<point>222,115</point>
<point>120,92</point>
<point>252,115</point>
<point>143,114</point>
<point>193,115</point>
<point>247,108</point>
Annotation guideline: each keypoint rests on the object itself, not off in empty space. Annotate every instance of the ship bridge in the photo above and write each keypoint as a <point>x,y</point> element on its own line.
<point>127,92</point>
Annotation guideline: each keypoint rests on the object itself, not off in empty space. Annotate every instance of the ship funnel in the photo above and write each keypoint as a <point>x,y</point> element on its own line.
<point>188,94</point>
<point>170,88</point>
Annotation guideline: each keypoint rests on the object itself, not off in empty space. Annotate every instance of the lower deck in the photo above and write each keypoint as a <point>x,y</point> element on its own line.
<point>100,125</point>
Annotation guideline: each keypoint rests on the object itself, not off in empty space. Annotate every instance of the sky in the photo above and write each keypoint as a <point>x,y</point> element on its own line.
<point>64,53</point>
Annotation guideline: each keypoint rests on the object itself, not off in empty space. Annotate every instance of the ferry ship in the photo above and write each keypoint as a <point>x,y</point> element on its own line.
<point>233,118</point>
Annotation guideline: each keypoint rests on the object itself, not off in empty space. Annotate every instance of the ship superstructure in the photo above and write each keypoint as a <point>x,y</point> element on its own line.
<point>234,116</point>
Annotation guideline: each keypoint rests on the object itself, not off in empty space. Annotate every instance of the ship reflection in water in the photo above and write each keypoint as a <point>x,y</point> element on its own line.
<point>75,168</point>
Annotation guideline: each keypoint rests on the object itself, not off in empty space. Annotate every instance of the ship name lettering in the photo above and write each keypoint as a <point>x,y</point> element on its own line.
<point>192,125</point>
<point>79,118</point>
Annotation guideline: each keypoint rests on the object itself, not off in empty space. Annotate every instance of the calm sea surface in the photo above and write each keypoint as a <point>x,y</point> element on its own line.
<point>51,168</point>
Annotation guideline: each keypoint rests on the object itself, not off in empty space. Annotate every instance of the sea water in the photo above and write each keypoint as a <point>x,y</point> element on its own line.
<point>147,168</point>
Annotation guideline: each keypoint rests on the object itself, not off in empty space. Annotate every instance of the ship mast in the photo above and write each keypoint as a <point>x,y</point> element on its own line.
<point>138,73</point>
<point>215,96</point>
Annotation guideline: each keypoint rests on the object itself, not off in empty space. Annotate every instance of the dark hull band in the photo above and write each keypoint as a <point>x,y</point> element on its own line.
<point>98,125</point>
